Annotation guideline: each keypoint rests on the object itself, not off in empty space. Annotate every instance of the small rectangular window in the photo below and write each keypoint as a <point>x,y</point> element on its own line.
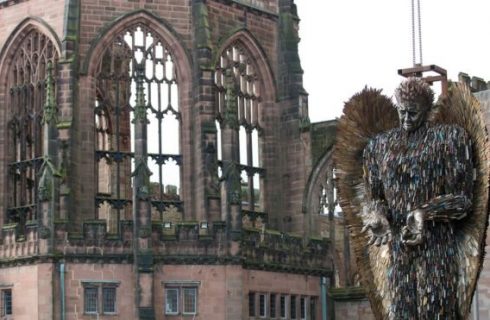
<point>190,300</point>
<point>302,308</point>
<point>171,301</point>
<point>90,299</point>
<point>109,300</point>
<point>99,297</point>
<point>181,297</point>
<point>312,308</point>
<point>251,304</point>
<point>272,305</point>
<point>283,307</point>
<point>6,302</point>
<point>262,305</point>
<point>292,305</point>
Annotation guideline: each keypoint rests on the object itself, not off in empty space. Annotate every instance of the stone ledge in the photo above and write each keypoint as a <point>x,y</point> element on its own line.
<point>348,293</point>
<point>249,5</point>
<point>294,269</point>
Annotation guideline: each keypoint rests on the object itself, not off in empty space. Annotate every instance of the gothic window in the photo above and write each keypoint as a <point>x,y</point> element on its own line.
<point>26,96</point>
<point>137,54</point>
<point>236,79</point>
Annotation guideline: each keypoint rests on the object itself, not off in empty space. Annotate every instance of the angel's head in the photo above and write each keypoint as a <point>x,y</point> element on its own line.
<point>414,100</point>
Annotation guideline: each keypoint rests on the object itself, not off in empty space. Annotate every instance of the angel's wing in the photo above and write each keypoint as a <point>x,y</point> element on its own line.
<point>463,109</point>
<point>366,114</point>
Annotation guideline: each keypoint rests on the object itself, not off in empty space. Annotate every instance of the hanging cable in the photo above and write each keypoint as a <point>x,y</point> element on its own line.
<point>413,33</point>
<point>420,31</point>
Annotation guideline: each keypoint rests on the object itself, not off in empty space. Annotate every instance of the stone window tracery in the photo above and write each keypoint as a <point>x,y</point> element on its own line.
<point>236,62</point>
<point>328,197</point>
<point>26,96</point>
<point>137,54</point>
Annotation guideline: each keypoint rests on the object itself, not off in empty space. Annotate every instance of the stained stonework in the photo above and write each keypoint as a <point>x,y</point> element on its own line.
<point>126,221</point>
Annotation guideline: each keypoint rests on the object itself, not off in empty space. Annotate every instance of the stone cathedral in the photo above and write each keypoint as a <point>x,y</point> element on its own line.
<point>157,162</point>
<point>154,160</point>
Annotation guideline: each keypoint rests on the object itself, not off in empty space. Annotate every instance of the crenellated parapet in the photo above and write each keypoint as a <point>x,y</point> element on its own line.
<point>276,251</point>
<point>172,243</point>
<point>187,239</point>
<point>16,244</point>
<point>476,84</point>
<point>190,242</point>
<point>167,238</point>
<point>93,239</point>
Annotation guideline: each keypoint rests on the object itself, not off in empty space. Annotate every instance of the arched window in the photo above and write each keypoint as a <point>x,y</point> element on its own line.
<point>26,82</point>
<point>248,87</point>
<point>137,54</point>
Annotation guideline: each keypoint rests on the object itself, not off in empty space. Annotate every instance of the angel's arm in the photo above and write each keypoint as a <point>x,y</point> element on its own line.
<point>457,164</point>
<point>375,209</point>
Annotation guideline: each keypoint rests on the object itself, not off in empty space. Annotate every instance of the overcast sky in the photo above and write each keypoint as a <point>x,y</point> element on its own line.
<point>348,44</point>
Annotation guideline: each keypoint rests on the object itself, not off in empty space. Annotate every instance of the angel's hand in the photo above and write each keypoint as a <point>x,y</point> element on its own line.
<point>412,233</point>
<point>380,229</point>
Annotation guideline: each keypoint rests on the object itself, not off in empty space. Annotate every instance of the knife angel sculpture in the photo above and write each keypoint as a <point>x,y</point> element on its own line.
<point>413,185</point>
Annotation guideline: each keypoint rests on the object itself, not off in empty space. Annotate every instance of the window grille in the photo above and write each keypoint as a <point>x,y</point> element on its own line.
<point>171,301</point>
<point>6,302</point>
<point>100,297</point>
<point>108,300</point>
<point>283,308</point>
<point>251,304</point>
<point>302,307</point>
<point>190,300</point>
<point>262,306</point>
<point>90,299</point>
<point>313,308</point>
<point>272,305</point>
<point>292,307</point>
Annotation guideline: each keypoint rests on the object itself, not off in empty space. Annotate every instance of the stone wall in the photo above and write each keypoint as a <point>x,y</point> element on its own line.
<point>50,11</point>
<point>354,310</point>
<point>32,290</point>
<point>79,274</point>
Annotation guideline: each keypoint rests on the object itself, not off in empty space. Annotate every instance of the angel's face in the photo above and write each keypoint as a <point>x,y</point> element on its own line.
<point>412,115</point>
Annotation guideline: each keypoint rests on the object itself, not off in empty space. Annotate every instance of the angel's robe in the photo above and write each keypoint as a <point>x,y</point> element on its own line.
<point>430,168</point>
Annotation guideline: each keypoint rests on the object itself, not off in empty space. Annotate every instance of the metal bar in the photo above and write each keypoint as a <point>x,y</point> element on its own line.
<point>118,164</point>
<point>420,69</point>
<point>160,147</point>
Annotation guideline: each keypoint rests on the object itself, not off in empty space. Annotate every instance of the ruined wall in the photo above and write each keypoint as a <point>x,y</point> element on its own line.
<point>50,11</point>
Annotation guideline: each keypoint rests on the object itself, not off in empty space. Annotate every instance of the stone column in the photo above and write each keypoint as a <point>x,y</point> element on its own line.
<point>231,188</point>
<point>143,257</point>
<point>48,191</point>
<point>207,201</point>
